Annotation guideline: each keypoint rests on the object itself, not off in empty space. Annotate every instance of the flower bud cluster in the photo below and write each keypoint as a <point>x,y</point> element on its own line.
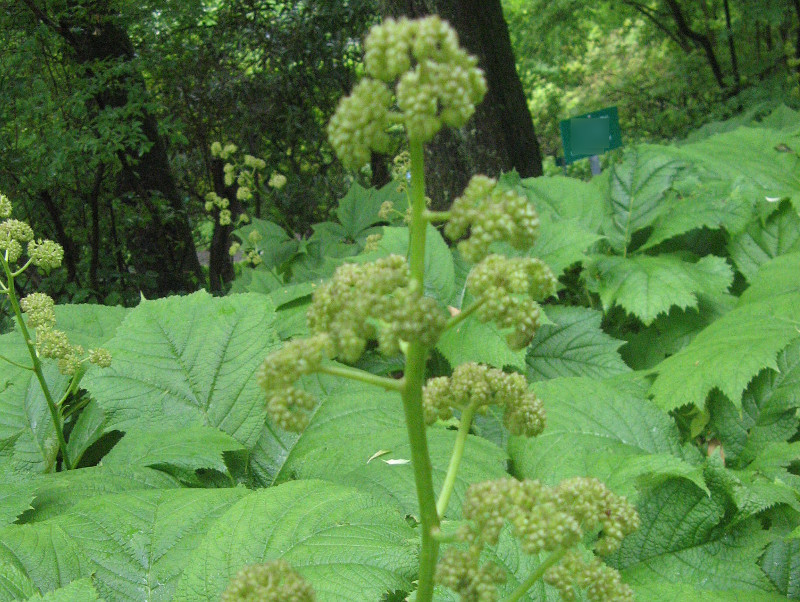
<point>479,386</point>
<point>223,152</point>
<point>507,288</point>
<point>13,234</point>
<point>371,244</point>
<point>375,300</point>
<point>544,519</point>
<point>45,254</point>
<point>288,406</point>
<point>215,201</point>
<point>52,343</point>
<point>490,214</point>
<point>435,82</point>
<point>274,581</point>
<point>5,206</point>
<point>600,582</point>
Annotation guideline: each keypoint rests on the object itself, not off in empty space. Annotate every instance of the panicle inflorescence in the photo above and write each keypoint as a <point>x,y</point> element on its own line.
<point>545,519</point>
<point>273,581</point>
<point>45,254</point>
<point>5,206</point>
<point>434,81</point>
<point>507,288</point>
<point>479,386</point>
<point>489,214</point>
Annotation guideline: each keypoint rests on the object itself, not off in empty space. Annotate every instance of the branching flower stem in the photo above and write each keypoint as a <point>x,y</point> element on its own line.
<point>526,585</point>
<point>412,390</point>
<point>37,364</point>
<point>463,315</point>
<point>455,459</point>
<point>390,384</point>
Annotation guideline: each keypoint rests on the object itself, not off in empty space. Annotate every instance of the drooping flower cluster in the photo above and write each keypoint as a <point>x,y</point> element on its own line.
<point>507,288</point>
<point>434,81</point>
<point>597,579</point>
<point>44,254</point>
<point>374,301</point>
<point>543,519</point>
<point>490,214</point>
<point>480,386</point>
<point>54,344</point>
<point>273,581</point>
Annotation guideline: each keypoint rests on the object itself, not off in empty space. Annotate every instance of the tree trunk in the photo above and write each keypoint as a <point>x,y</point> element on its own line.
<point>700,40</point>
<point>166,246</point>
<point>220,263</point>
<point>500,136</point>
<point>731,46</point>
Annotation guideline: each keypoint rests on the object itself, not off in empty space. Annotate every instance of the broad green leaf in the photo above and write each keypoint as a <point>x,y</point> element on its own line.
<point>566,199</point>
<point>678,541</point>
<point>14,583</point>
<point>15,497</point>
<point>782,118</point>
<point>348,545</point>
<point>358,210</point>
<point>80,590</point>
<point>781,563</point>
<point>57,493</point>
<point>636,189</point>
<point>88,429</point>
<point>256,280</point>
<point>666,591</point>
<point>761,242</point>
<point>89,325</point>
<point>562,243</point>
<point>647,286</point>
<point>593,429</point>
<point>188,361</point>
<point>573,345</point>
<point>183,449</point>
<point>274,245</point>
<point>734,348</point>
<point>476,341</point>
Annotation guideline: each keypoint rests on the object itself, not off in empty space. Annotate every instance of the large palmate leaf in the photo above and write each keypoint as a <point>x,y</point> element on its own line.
<point>597,428</point>
<point>14,583</point>
<point>678,541</point>
<point>781,563</point>
<point>135,545</point>
<point>647,286</point>
<point>482,342</point>
<point>734,348</point>
<point>778,235</point>
<point>566,199</point>
<point>348,545</point>
<point>573,345</point>
<point>359,208</point>
<point>562,243</point>
<point>81,590</point>
<point>273,245</point>
<point>636,189</point>
<point>188,361</point>
<point>15,497</point>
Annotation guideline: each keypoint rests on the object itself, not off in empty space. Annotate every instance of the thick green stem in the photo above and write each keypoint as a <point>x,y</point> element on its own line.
<point>455,459</point>
<point>390,384</point>
<point>414,378</point>
<point>536,575</point>
<point>37,365</point>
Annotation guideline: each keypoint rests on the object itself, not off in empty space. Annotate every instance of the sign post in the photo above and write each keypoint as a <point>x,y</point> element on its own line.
<point>590,135</point>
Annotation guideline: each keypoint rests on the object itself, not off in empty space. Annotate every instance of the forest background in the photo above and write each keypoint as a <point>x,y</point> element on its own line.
<point>109,110</point>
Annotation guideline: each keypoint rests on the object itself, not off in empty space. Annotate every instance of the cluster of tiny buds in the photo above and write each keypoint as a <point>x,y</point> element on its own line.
<point>44,254</point>
<point>215,201</point>
<point>544,519</point>
<point>274,581</point>
<point>52,343</point>
<point>435,83</point>
<point>251,254</point>
<point>490,214</point>
<point>507,288</point>
<point>223,152</point>
<point>478,386</point>
<point>371,243</point>
<point>374,301</point>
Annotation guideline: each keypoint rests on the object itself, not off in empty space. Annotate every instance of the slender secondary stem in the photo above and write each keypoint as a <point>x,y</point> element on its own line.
<point>390,384</point>
<point>463,315</point>
<point>455,459</point>
<point>37,365</point>
<point>414,378</point>
<point>523,587</point>
<point>13,363</point>
<point>436,216</point>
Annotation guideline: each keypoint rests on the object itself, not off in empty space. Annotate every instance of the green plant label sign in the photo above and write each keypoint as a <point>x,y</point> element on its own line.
<point>590,134</point>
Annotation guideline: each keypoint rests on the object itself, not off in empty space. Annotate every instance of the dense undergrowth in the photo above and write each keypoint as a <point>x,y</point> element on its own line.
<point>669,368</point>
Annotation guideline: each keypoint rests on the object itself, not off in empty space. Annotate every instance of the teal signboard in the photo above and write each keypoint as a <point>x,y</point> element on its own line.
<point>590,134</point>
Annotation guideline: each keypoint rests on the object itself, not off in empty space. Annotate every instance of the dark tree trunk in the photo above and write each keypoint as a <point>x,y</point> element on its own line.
<point>796,4</point>
<point>165,247</point>
<point>731,46</point>
<point>94,204</point>
<point>699,39</point>
<point>220,263</point>
<point>500,136</point>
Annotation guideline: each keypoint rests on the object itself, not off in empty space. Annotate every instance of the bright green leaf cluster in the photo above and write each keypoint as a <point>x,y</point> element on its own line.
<point>507,289</point>
<point>491,214</point>
<point>273,581</point>
<point>544,519</point>
<point>479,386</point>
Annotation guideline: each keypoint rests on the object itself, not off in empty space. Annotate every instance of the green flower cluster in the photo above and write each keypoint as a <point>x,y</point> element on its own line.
<point>273,581</point>
<point>44,254</point>
<point>600,582</point>
<point>507,288</point>
<point>543,519</point>
<point>13,234</point>
<point>374,301</point>
<point>54,344</point>
<point>5,206</point>
<point>215,201</point>
<point>288,406</point>
<point>490,214</point>
<point>480,386</point>
<point>435,82</point>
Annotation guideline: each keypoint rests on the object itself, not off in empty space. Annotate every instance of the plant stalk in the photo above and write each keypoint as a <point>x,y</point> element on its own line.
<point>455,459</point>
<point>523,587</point>
<point>390,384</point>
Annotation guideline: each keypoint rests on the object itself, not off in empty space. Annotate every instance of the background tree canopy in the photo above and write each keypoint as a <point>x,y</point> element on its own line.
<point>110,109</point>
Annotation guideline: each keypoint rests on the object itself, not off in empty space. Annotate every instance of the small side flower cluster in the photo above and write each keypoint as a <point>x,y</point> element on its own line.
<point>251,253</point>
<point>490,214</point>
<point>544,519</point>
<point>507,288</point>
<point>480,386</point>
<point>273,581</point>
<point>52,343</point>
<point>435,82</point>
<point>44,254</point>
<point>374,301</point>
